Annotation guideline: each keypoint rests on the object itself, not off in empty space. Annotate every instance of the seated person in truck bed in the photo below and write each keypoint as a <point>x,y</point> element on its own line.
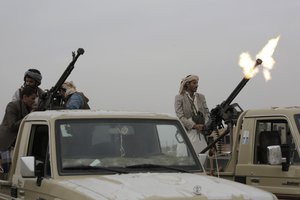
<point>72,98</point>
<point>14,113</point>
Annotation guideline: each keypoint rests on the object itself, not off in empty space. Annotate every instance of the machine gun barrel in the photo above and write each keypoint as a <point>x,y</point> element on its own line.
<point>226,111</point>
<point>67,71</point>
<point>239,87</point>
<point>46,102</point>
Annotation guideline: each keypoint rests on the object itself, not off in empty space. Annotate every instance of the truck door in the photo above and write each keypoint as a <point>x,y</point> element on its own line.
<point>38,146</point>
<point>258,172</point>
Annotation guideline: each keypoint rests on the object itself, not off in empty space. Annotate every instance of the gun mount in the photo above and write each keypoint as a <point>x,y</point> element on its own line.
<point>226,112</point>
<point>51,99</point>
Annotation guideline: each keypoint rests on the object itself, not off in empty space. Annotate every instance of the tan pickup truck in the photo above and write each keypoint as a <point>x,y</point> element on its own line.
<point>262,150</point>
<point>77,154</point>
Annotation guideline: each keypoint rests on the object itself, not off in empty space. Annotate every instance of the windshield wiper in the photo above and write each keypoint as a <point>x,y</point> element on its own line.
<point>153,166</point>
<point>96,168</point>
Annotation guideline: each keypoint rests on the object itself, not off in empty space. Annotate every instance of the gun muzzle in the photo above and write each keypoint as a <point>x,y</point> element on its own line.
<point>80,51</point>
<point>257,62</point>
<point>240,86</point>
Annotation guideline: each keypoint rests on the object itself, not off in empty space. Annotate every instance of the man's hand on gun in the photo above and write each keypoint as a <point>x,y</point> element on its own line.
<point>199,127</point>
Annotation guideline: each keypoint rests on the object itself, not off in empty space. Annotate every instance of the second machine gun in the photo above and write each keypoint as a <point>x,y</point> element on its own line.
<point>51,99</point>
<point>226,112</point>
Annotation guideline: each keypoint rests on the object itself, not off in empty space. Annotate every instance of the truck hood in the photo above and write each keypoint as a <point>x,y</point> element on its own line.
<point>162,186</point>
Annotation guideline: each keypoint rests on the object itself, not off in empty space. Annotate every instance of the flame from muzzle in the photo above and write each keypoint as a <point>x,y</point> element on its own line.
<point>247,63</point>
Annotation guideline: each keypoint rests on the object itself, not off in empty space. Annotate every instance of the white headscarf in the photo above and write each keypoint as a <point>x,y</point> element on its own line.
<point>185,80</point>
<point>69,87</point>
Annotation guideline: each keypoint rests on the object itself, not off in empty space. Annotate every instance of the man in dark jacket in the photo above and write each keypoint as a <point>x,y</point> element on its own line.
<point>14,113</point>
<point>32,78</point>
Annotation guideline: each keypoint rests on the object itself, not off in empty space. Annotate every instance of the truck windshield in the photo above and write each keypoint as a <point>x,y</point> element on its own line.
<point>297,119</point>
<point>123,146</point>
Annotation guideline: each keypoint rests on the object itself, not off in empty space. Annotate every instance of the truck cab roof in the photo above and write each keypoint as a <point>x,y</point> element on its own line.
<point>288,111</point>
<point>61,114</point>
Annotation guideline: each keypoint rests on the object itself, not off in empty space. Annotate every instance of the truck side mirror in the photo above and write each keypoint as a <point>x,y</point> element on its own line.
<point>28,169</point>
<point>275,155</point>
<point>28,166</point>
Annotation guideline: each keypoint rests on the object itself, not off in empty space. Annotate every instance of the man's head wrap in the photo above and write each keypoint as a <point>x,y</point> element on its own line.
<point>186,80</point>
<point>69,87</point>
<point>34,74</point>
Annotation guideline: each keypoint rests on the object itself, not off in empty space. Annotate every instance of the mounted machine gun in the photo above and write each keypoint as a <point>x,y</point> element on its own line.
<point>226,113</point>
<point>51,99</point>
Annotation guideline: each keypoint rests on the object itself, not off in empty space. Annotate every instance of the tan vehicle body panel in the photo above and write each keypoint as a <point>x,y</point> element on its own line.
<point>68,187</point>
<point>285,184</point>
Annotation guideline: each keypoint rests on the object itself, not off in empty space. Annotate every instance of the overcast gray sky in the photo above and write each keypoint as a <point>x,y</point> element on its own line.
<point>136,52</point>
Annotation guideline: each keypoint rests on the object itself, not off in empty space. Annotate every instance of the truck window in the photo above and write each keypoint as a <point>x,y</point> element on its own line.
<point>119,143</point>
<point>297,119</point>
<point>274,132</point>
<point>38,147</point>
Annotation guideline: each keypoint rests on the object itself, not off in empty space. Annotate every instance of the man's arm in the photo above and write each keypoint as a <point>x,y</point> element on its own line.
<point>13,116</point>
<point>188,123</point>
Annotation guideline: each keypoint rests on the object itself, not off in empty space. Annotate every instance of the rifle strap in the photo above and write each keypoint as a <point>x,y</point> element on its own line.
<point>194,109</point>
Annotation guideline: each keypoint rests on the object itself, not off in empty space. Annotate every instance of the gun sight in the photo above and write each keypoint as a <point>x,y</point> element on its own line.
<point>80,51</point>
